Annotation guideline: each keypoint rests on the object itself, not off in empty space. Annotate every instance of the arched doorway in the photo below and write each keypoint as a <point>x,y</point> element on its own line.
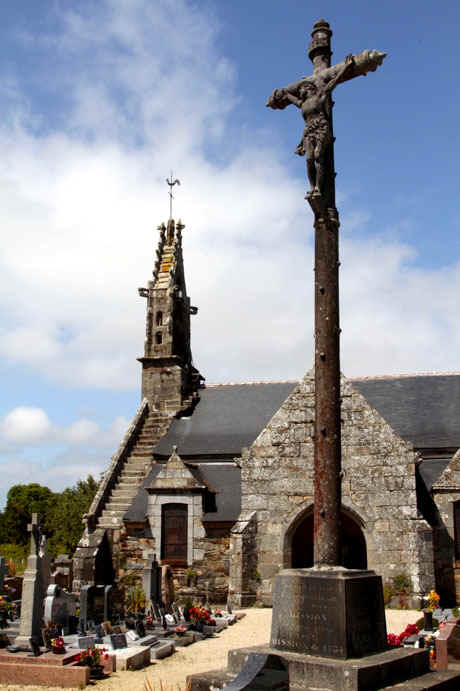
<point>354,554</point>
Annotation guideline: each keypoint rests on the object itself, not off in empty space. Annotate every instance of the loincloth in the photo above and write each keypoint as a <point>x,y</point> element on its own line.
<point>317,131</point>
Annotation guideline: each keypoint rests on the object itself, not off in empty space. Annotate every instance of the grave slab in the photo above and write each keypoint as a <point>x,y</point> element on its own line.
<point>161,649</point>
<point>46,670</point>
<point>448,644</point>
<point>134,657</point>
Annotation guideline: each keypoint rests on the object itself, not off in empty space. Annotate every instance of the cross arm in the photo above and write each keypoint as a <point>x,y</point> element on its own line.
<point>281,98</point>
<point>365,62</point>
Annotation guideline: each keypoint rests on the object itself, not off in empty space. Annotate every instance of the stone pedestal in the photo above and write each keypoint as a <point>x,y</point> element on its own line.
<point>329,612</point>
<point>328,633</point>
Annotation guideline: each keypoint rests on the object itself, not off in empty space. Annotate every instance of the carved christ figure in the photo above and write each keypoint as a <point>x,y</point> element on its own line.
<point>312,95</point>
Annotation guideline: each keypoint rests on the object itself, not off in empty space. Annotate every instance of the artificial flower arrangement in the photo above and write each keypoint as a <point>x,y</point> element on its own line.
<point>393,640</point>
<point>217,613</point>
<point>201,615</point>
<point>433,600</point>
<point>179,631</point>
<point>91,657</point>
<point>57,645</point>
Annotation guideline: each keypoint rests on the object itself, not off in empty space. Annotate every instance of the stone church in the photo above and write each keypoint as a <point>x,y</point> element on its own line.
<point>217,481</point>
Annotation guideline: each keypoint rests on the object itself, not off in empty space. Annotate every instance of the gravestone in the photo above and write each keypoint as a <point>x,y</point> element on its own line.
<point>448,644</point>
<point>118,641</point>
<point>48,633</point>
<point>35,583</point>
<point>60,609</point>
<point>178,616</point>
<point>86,642</point>
<point>151,579</point>
<point>4,571</point>
<point>156,612</point>
<point>95,604</point>
<point>62,573</point>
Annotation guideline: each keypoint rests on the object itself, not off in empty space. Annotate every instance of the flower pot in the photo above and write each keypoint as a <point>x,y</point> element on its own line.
<point>96,672</point>
<point>58,651</point>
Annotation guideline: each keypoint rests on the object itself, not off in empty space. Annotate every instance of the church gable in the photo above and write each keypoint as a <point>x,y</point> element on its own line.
<point>175,475</point>
<point>450,477</point>
<point>378,488</point>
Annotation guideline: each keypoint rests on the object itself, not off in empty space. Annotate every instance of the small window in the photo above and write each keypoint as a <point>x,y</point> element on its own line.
<point>159,319</point>
<point>158,338</point>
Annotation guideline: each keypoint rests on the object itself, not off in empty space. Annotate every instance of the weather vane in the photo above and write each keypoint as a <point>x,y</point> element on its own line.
<point>171,184</point>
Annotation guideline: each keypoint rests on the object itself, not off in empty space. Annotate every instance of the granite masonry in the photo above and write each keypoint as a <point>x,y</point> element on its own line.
<point>217,481</point>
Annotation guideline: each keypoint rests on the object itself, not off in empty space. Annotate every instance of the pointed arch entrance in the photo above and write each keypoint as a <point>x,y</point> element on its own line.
<point>299,542</point>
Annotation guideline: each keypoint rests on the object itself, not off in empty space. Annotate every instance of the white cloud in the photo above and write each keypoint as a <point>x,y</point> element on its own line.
<point>25,425</point>
<point>146,89</point>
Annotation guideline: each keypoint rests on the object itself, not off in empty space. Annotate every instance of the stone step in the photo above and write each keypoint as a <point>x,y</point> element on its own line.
<point>131,473</point>
<point>122,494</point>
<point>127,485</point>
<point>117,506</point>
<point>105,523</point>
<point>107,513</point>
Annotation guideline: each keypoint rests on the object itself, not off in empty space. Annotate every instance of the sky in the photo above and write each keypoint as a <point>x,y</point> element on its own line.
<point>101,100</point>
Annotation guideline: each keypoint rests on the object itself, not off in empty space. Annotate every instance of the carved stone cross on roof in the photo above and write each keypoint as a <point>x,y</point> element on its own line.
<point>35,534</point>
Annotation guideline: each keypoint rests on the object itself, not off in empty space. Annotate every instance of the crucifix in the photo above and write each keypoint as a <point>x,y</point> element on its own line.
<point>312,95</point>
<point>35,534</point>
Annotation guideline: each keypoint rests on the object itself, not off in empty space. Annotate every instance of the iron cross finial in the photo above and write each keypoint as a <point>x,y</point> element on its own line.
<point>171,184</point>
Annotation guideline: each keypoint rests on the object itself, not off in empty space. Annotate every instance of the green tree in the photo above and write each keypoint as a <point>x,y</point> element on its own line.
<point>67,514</point>
<point>22,502</point>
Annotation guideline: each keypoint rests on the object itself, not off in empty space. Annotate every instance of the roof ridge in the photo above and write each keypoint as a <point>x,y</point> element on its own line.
<point>252,383</point>
<point>405,376</point>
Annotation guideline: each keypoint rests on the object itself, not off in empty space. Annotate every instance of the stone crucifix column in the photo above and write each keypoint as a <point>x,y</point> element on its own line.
<point>312,95</point>
<point>327,610</point>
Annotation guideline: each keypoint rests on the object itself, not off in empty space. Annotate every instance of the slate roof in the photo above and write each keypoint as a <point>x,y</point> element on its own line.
<point>431,468</point>
<point>422,409</point>
<point>222,478</point>
<point>226,419</point>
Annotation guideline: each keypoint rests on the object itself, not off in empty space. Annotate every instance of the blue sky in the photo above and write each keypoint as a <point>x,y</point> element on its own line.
<point>100,100</point>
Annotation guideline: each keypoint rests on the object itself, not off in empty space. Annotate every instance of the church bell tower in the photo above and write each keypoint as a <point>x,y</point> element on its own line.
<point>169,380</point>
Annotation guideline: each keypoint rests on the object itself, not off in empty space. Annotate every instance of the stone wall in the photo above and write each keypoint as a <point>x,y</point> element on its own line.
<point>445,493</point>
<point>378,490</point>
<point>204,578</point>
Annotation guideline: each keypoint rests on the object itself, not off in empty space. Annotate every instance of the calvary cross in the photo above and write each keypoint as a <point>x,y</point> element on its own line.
<point>312,95</point>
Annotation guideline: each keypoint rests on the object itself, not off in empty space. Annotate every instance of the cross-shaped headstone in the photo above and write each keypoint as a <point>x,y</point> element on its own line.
<point>35,534</point>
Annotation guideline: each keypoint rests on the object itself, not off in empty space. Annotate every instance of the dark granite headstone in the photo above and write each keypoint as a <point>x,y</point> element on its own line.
<point>86,642</point>
<point>118,640</point>
<point>331,612</point>
<point>427,620</point>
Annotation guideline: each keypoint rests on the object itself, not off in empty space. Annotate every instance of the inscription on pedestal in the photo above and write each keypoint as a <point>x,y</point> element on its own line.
<point>337,613</point>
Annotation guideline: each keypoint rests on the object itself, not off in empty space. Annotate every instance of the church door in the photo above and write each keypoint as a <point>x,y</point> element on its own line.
<point>174,533</point>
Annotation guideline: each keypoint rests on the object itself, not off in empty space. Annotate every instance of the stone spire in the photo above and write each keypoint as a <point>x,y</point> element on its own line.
<point>168,376</point>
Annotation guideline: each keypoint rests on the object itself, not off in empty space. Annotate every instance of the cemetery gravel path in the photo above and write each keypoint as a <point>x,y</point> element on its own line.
<point>169,674</point>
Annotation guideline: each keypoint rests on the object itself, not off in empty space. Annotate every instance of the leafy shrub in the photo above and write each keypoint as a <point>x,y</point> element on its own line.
<point>402,584</point>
